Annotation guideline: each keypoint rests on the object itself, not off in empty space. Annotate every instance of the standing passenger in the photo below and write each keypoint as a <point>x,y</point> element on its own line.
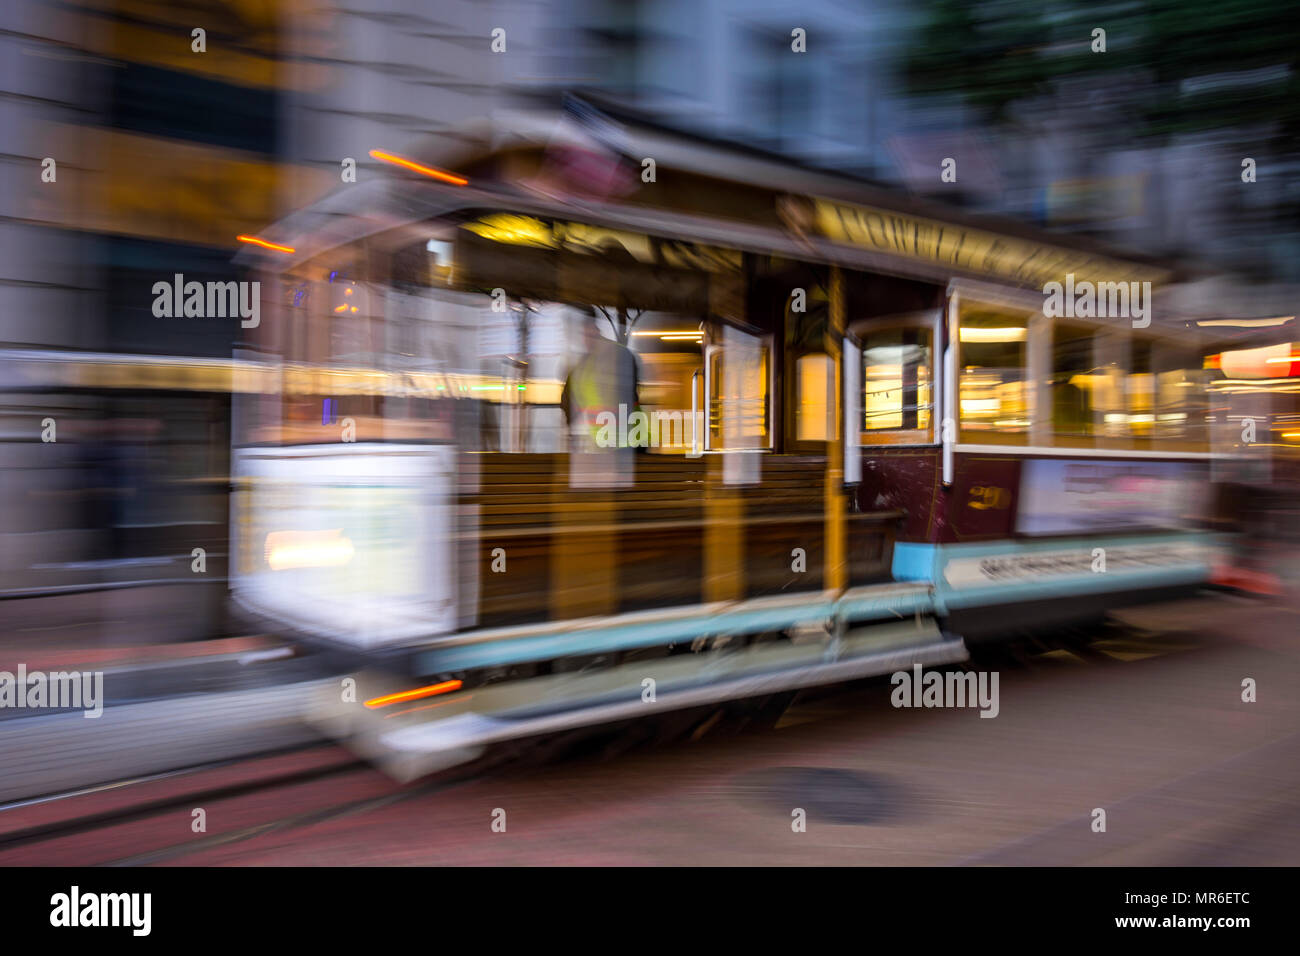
<point>604,379</point>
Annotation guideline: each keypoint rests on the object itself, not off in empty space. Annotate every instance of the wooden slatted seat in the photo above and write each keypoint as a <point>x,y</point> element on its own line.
<point>652,531</point>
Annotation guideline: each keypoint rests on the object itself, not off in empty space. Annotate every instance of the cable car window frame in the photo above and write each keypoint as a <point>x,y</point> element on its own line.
<point>860,331</point>
<point>713,345</point>
<point>974,303</point>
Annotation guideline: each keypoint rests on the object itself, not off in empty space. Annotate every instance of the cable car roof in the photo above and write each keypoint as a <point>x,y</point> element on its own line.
<point>487,154</point>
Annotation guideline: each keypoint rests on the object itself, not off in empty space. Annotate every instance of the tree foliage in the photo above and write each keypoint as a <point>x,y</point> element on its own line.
<point>1161,54</point>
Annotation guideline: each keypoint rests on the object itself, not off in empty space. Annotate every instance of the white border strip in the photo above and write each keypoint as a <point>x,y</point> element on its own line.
<point>969,449</point>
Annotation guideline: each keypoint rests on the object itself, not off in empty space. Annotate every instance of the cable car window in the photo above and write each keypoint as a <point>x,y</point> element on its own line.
<point>669,349</point>
<point>739,375</point>
<point>630,308</point>
<point>992,394</point>
<point>1086,384</point>
<point>898,387</point>
<point>1167,396</point>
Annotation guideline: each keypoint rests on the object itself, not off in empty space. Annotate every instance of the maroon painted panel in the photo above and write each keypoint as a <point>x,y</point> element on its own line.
<point>982,501</point>
<point>980,505</point>
<point>906,479</point>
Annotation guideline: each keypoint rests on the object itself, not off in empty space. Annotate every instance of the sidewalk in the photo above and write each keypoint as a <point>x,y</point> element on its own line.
<point>48,754</point>
<point>165,706</point>
<point>45,658</point>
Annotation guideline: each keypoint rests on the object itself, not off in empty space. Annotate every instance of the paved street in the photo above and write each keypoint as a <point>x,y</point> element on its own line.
<point>1145,722</point>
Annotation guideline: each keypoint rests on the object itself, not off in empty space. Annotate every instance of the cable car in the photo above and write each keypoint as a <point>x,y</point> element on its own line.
<point>713,427</point>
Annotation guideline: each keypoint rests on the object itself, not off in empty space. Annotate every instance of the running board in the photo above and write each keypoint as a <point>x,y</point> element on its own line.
<point>530,708</point>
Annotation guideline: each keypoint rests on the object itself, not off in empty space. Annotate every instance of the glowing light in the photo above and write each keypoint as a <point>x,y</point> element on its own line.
<point>992,335</point>
<point>265,245</point>
<point>445,687</point>
<point>307,549</point>
<point>516,230</point>
<point>1248,323</point>
<point>1254,363</point>
<point>415,167</point>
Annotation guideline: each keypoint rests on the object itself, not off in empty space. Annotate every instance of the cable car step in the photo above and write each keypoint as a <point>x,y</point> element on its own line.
<point>459,731</point>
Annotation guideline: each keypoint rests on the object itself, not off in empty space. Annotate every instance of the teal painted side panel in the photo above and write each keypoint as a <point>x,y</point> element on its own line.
<point>978,574</point>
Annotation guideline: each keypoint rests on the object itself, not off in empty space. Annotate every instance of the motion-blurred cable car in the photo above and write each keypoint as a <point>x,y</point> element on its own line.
<point>856,442</point>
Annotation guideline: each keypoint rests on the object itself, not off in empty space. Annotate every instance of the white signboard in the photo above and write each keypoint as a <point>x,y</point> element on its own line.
<point>1036,566</point>
<point>352,542</point>
<point>1063,496</point>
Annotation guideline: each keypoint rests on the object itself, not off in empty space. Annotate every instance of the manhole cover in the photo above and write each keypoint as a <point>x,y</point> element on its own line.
<point>827,794</point>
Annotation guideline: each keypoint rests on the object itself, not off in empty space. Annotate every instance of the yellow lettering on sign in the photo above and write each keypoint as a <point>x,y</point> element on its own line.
<point>986,497</point>
<point>597,240</point>
<point>969,250</point>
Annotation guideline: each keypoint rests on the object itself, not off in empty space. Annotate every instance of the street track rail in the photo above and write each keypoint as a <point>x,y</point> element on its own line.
<point>70,826</point>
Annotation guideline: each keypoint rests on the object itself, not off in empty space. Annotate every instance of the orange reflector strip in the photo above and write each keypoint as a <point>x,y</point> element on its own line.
<point>265,245</point>
<point>446,687</point>
<point>417,168</point>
